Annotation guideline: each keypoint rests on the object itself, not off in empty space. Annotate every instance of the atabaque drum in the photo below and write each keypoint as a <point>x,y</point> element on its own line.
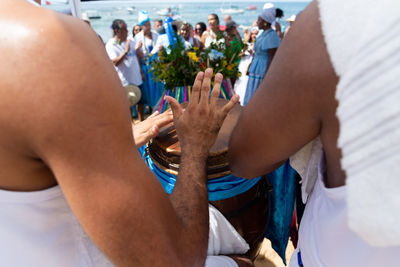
<point>247,211</point>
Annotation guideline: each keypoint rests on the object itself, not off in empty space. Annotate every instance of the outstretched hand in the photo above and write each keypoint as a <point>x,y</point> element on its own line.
<point>147,129</point>
<point>199,123</point>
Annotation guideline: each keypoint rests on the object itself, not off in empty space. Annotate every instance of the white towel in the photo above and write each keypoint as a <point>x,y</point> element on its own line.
<point>306,162</point>
<point>363,41</point>
<point>220,261</point>
<point>223,238</point>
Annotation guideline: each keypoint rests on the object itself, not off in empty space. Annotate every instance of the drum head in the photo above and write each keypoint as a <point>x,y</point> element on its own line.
<point>133,94</point>
<point>165,149</point>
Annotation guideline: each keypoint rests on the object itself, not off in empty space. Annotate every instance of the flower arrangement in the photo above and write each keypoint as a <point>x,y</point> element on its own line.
<point>225,58</point>
<point>180,66</point>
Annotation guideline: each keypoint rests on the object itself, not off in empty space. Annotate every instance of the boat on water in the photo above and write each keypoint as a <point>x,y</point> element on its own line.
<point>232,10</point>
<point>171,11</point>
<point>92,14</point>
<point>131,10</point>
<point>251,7</point>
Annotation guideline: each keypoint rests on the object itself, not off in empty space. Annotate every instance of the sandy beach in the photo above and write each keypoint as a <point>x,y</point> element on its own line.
<point>269,258</point>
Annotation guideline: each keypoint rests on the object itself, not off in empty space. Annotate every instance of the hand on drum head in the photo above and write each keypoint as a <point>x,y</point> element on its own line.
<point>198,125</point>
<point>147,129</point>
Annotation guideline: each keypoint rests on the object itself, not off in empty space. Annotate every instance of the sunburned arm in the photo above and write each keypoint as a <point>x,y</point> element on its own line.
<point>80,129</point>
<point>286,111</point>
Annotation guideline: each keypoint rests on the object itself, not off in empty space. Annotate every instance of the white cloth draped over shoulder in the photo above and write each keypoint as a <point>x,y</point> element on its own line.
<point>363,41</point>
<point>305,162</point>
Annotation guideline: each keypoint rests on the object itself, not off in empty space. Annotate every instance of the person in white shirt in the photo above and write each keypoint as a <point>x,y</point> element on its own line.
<point>186,31</point>
<point>122,52</point>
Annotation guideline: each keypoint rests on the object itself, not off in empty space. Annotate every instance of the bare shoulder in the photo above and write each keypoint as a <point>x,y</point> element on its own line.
<point>291,104</point>
<point>58,58</point>
<point>56,80</point>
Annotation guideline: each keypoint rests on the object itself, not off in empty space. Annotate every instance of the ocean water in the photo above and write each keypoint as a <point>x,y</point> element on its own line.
<point>190,12</point>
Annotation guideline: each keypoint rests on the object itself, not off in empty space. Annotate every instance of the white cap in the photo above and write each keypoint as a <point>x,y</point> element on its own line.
<point>143,17</point>
<point>268,15</point>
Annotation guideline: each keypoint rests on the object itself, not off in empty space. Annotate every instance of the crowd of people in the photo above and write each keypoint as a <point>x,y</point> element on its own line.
<point>74,190</point>
<point>261,43</point>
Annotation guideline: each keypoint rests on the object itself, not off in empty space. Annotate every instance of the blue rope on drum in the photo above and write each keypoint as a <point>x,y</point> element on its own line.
<point>218,188</point>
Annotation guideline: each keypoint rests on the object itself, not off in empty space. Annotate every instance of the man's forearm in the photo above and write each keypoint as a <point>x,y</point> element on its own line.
<point>190,201</point>
<point>118,60</point>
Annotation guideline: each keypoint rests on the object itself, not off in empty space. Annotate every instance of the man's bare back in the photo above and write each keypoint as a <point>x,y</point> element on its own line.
<point>294,104</point>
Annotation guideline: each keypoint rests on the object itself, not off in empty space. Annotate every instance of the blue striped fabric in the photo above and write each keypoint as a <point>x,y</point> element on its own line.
<point>218,188</point>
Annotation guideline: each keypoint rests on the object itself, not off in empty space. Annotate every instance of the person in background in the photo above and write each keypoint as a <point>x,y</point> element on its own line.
<point>186,32</point>
<point>157,24</point>
<point>146,40</point>
<point>163,40</point>
<point>214,33</point>
<point>199,29</point>
<point>122,52</point>
<point>232,32</point>
<point>252,40</point>
<point>246,35</point>
<point>264,50</point>
<point>135,30</point>
<point>227,18</point>
<point>245,61</point>
<point>291,20</point>
<point>275,25</point>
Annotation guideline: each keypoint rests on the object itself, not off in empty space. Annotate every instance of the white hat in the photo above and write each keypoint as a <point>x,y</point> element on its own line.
<point>269,15</point>
<point>291,18</point>
<point>143,17</point>
<point>133,93</point>
<point>268,5</point>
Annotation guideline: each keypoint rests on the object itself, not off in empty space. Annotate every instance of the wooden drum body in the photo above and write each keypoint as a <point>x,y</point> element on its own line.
<point>248,211</point>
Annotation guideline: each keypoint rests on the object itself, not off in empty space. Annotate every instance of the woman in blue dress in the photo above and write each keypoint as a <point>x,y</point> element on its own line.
<point>147,38</point>
<point>264,48</point>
